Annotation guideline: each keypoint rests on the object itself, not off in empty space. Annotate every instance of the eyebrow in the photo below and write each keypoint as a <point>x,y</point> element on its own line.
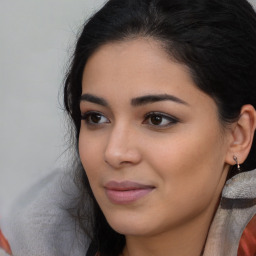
<point>139,101</point>
<point>94,99</point>
<point>143,100</point>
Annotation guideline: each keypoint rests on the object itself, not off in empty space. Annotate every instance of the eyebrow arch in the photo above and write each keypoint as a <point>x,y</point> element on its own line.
<point>94,99</point>
<point>155,98</point>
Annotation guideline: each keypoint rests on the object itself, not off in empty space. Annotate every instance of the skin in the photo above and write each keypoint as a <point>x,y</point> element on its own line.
<point>185,161</point>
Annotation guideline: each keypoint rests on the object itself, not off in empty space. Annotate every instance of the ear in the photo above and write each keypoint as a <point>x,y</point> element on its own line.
<point>242,135</point>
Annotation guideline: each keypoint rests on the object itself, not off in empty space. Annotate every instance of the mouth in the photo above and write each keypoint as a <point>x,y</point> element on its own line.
<point>126,192</point>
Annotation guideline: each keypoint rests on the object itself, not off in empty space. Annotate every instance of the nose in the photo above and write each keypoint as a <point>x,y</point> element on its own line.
<point>122,148</point>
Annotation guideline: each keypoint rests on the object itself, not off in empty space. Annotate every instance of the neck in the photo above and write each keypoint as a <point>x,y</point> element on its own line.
<point>186,240</point>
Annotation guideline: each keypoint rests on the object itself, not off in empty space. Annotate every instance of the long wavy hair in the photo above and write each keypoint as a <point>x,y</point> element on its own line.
<point>215,39</point>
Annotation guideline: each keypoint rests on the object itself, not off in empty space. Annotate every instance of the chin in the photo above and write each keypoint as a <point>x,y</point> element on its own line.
<point>129,229</point>
<point>129,225</point>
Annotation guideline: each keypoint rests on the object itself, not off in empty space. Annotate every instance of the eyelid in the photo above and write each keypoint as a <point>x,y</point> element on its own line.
<point>172,120</point>
<point>85,115</point>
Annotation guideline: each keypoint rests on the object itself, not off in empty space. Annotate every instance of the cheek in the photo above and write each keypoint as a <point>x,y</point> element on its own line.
<point>89,151</point>
<point>190,167</point>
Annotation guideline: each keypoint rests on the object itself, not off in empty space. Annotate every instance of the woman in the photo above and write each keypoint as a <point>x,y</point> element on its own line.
<point>162,95</point>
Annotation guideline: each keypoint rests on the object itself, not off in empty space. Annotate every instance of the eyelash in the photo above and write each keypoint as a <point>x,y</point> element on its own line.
<point>87,117</point>
<point>170,119</point>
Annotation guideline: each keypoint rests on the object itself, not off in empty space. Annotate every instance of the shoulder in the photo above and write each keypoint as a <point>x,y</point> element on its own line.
<point>235,218</point>
<point>4,245</point>
<point>40,223</point>
<point>247,244</point>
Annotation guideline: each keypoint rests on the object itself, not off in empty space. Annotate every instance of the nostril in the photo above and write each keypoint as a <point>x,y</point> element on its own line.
<point>122,158</point>
<point>121,149</point>
<point>125,162</point>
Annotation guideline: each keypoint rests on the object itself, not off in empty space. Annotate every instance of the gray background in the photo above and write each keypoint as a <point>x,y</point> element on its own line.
<point>36,40</point>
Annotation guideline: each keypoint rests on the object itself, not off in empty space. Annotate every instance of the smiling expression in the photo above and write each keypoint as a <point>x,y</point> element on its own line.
<point>150,141</point>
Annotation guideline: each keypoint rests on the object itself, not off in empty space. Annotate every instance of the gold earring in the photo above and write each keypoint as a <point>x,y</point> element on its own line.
<point>237,163</point>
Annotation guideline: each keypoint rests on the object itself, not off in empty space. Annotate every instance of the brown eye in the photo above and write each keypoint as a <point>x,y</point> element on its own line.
<point>159,120</point>
<point>156,120</point>
<point>94,118</point>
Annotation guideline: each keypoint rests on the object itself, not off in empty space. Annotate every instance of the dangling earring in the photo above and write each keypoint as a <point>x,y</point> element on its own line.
<point>237,163</point>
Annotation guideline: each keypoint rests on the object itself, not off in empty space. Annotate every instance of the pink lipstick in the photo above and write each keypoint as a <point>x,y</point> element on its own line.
<point>126,192</point>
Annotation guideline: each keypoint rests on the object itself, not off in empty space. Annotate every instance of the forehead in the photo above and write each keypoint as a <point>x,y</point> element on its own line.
<point>137,67</point>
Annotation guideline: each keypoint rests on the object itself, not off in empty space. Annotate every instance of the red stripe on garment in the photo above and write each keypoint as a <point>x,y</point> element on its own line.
<point>247,244</point>
<point>4,244</point>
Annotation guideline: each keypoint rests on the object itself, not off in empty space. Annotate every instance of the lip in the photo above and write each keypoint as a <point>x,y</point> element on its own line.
<point>126,192</point>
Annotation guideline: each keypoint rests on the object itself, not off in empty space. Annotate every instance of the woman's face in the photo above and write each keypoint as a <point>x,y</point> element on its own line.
<point>150,141</point>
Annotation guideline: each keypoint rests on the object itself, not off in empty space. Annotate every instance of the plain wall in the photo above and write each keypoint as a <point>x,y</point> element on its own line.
<point>36,40</point>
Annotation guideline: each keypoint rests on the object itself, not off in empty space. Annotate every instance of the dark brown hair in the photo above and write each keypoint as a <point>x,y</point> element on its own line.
<point>215,39</point>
